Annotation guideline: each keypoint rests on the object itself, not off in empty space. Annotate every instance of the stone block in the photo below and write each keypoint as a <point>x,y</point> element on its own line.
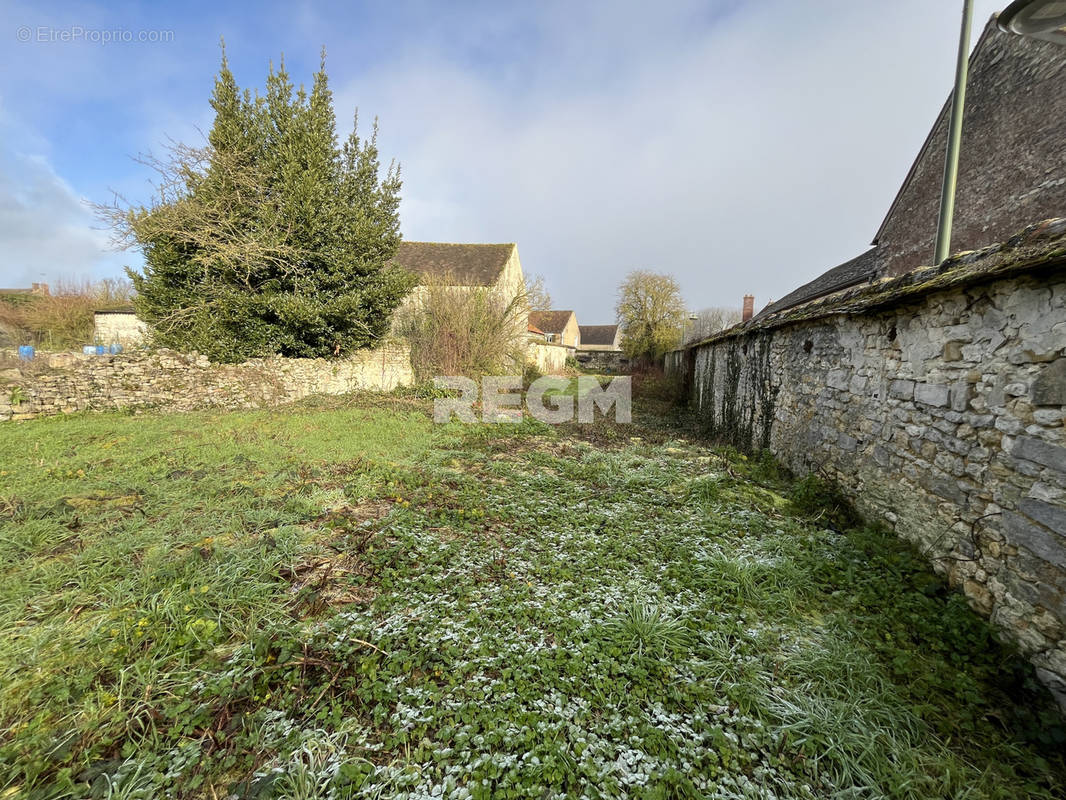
<point>1037,450</point>
<point>1050,515</point>
<point>847,443</point>
<point>979,596</point>
<point>1056,684</point>
<point>1016,389</point>
<point>1049,417</point>
<point>837,379</point>
<point>1009,425</point>
<point>952,351</point>
<point>901,390</point>
<point>932,394</point>
<point>1049,388</point>
<point>958,333</point>
<point>947,489</point>
<point>1035,538</point>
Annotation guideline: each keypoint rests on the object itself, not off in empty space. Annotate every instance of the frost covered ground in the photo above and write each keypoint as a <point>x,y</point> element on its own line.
<point>344,600</point>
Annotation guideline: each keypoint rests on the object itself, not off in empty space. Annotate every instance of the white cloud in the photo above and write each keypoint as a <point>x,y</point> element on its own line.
<point>48,231</point>
<point>741,146</point>
<point>749,155</point>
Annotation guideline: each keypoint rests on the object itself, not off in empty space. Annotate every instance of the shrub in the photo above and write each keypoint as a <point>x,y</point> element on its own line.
<point>462,330</point>
<point>63,319</point>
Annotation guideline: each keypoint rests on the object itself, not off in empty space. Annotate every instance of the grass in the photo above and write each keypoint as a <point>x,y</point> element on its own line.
<point>344,600</point>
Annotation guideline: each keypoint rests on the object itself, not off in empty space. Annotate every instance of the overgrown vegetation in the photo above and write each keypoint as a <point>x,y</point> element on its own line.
<point>464,330</point>
<point>346,601</point>
<point>272,239</point>
<point>62,319</point>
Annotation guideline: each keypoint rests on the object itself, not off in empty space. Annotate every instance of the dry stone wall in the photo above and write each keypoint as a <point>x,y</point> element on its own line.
<point>166,380</point>
<point>941,415</point>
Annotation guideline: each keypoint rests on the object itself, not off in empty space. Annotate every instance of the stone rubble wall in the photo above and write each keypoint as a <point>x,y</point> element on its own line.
<point>605,360</point>
<point>941,416</point>
<point>65,382</point>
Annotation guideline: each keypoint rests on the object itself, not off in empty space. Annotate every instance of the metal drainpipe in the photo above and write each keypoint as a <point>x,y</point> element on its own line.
<point>951,163</point>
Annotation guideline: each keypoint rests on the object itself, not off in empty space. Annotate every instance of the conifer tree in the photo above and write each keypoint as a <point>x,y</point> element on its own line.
<point>272,238</point>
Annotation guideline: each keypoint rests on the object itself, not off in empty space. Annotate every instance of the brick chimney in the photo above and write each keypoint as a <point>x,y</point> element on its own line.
<point>749,308</point>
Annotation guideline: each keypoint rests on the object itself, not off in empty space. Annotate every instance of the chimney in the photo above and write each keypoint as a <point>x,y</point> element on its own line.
<point>749,308</point>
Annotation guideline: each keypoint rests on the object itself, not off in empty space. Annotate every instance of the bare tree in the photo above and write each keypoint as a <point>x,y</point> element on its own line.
<point>711,320</point>
<point>537,297</point>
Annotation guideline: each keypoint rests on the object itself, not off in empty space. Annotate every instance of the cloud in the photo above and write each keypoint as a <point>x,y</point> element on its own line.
<point>48,231</point>
<point>746,150</point>
<point>743,147</point>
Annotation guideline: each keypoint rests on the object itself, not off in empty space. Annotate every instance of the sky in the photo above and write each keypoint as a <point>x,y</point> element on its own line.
<point>743,147</point>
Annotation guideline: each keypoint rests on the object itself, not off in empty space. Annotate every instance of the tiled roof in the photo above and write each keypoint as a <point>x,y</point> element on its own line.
<point>861,268</point>
<point>1040,246</point>
<point>550,321</point>
<point>598,334</point>
<point>467,264</point>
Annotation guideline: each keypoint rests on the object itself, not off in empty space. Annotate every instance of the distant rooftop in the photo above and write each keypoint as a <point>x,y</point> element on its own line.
<point>861,268</point>
<point>550,321</point>
<point>598,334</point>
<point>467,264</point>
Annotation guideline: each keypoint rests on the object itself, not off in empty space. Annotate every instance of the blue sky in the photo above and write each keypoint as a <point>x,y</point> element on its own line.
<point>741,146</point>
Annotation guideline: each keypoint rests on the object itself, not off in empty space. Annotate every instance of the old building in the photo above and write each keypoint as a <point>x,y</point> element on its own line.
<point>118,326</point>
<point>601,349</point>
<point>934,394</point>
<point>491,266</point>
<point>560,327</point>
<point>600,338</point>
<point>1012,166</point>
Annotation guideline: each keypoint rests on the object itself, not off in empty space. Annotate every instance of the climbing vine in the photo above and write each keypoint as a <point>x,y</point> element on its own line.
<point>740,408</point>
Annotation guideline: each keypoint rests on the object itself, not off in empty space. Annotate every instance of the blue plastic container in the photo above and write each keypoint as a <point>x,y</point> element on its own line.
<point>26,352</point>
<point>100,350</point>
<point>115,348</point>
<point>89,350</point>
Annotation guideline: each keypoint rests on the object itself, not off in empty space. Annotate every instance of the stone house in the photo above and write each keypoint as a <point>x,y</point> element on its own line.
<point>560,327</point>
<point>472,266</point>
<point>600,338</point>
<point>1012,166</point>
<point>494,268</point>
<point>601,348</point>
<point>118,326</point>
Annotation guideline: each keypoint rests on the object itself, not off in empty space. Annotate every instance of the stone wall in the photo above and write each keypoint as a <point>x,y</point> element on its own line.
<point>937,401</point>
<point>165,380</point>
<point>548,357</point>
<point>603,360</point>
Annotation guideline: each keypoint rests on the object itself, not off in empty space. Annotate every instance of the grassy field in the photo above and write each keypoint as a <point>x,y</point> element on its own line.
<point>342,599</point>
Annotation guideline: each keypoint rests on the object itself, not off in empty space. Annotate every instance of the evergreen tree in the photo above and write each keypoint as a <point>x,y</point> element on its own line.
<point>273,239</point>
